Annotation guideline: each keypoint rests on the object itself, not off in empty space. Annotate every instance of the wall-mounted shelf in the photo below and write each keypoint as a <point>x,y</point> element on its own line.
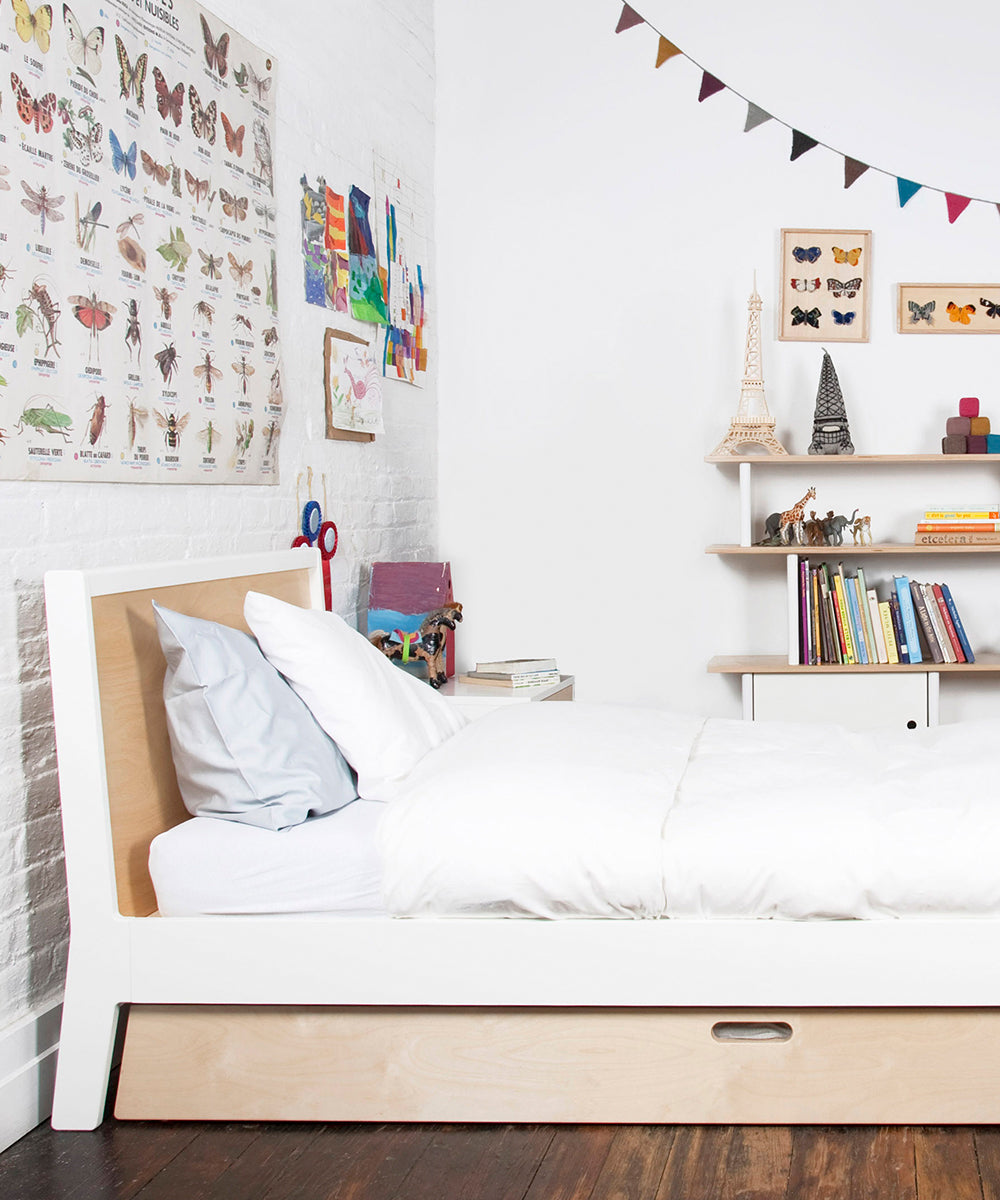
<point>849,548</point>
<point>778,664</point>
<point>847,460</point>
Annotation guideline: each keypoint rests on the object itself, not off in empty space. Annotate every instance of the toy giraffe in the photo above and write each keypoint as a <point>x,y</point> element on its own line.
<point>790,522</point>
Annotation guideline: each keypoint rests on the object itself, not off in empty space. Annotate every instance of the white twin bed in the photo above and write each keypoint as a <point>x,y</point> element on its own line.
<point>803,919</point>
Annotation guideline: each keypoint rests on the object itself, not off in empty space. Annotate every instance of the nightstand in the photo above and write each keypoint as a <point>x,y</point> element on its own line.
<point>477,699</point>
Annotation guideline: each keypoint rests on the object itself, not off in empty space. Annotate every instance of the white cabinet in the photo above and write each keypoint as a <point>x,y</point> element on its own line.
<point>859,701</point>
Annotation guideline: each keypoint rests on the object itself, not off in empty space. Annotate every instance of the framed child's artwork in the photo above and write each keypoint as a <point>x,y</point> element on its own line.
<point>824,280</point>
<point>948,308</point>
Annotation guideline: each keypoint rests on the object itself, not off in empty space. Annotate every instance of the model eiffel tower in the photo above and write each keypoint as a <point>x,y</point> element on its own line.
<point>753,424</point>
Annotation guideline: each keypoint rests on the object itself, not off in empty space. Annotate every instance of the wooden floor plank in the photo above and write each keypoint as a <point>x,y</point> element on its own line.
<point>111,1163</point>
<point>635,1163</point>
<point>449,1162</point>
<point>572,1163</point>
<point>696,1165</point>
<point>507,1168</point>
<point>947,1165</point>
<point>200,1163</point>
<point>988,1156</point>
<point>758,1163</point>
<point>841,1163</point>
<point>264,1162</point>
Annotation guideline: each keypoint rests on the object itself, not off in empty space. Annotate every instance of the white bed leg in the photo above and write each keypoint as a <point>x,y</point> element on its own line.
<point>86,1045</point>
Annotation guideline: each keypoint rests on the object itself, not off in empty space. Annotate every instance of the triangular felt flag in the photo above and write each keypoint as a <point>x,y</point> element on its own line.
<point>956,205</point>
<point>628,19</point>
<point>755,116</point>
<point>853,170</point>
<point>801,142</point>
<point>666,50</point>
<point>907,190</point>
<point>709,86</point>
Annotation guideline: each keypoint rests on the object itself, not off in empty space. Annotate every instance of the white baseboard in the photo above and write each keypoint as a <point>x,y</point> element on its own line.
<point>28,1073</point>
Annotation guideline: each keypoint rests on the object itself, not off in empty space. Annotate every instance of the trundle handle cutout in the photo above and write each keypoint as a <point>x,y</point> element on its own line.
<point>751,1031</point>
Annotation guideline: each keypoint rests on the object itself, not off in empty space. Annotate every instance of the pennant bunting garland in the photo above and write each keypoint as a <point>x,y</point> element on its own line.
<point>801,142</point>
<point>854,168</point>
<point>755,116</point>
<point>907,190</point>
<point>665,50</point>
<point>628,20</point>
<point>709,86</point>
<point>956,205</point>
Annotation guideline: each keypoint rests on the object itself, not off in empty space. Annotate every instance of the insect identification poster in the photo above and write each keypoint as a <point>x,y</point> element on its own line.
<point>138,307</point>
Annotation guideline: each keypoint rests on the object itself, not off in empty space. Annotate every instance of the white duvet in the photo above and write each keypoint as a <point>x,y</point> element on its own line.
<point>575,810</point>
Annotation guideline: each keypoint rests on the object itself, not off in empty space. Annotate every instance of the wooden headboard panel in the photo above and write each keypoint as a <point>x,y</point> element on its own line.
<point>143,798</point>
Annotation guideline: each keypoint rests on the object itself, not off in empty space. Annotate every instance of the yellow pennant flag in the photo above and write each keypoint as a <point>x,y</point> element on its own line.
<point>666,50</point>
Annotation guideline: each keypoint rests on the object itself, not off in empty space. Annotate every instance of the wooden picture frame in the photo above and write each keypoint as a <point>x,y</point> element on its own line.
<point>948,308</point>
<point>332,432</point>
<point>824,284</point>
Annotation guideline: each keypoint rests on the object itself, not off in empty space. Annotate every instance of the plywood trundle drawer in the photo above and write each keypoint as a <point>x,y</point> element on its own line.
<point>740,1066</point>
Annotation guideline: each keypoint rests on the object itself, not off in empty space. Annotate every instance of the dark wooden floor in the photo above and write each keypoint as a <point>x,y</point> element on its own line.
<point>501,1162</point>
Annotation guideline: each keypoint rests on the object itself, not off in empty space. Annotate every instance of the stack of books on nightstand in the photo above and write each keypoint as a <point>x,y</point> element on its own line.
<point>974,525</point>
<point>514,673</point>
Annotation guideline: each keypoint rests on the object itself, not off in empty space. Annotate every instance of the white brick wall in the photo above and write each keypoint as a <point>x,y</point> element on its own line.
<point>362,80</point>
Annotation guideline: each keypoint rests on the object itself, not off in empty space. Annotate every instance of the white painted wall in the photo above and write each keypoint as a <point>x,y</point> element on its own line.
<point>598,229</point>
<point>354,78</point>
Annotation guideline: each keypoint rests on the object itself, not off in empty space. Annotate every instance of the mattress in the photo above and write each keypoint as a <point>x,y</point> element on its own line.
<point>327,864</point>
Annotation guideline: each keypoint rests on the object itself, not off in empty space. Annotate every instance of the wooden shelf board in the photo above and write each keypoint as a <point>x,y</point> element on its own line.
<point>826,460</point>
<point>849,549</point>
<point>777,664</point>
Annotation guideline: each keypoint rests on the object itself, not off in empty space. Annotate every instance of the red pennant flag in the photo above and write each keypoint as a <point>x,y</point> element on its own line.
<point>853,170</point>
<point>709,86</point>
<point>801,142</point>
<point>665,50</point>
<point>956,205</point>
<point>628,20</point>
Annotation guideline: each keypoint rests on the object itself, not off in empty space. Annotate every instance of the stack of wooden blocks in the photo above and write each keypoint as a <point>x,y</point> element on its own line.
<point>969,433</point>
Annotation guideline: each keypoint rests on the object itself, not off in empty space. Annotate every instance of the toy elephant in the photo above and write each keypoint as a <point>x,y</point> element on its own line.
<point>833,527</point>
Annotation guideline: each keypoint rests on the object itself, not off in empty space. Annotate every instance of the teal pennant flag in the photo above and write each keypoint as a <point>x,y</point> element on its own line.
<point>907,190</point>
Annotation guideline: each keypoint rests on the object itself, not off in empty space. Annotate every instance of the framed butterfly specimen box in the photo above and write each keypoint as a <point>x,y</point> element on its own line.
<point>824,281</point>
<point>948,308</point>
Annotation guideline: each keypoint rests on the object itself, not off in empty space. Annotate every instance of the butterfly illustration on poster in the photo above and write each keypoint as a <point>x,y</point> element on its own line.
<point>137,200</point>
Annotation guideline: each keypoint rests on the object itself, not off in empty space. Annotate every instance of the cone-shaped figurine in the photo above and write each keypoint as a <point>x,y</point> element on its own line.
<point>831,434</point>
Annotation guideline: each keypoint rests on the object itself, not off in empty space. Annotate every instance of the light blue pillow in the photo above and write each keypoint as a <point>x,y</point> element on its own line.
<point>245,746</point>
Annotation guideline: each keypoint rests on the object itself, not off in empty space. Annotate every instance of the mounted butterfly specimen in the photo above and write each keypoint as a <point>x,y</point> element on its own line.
<point>810,318</point>
<point>95,315</point>
<point>216,52</point>
<point>211,264</point>
<point>165,300</point>
<point>234,206</point>
<point>84,49</point>
<point>921,312</point>
<point>40,113</point>
<point>806,254</point>
<point>849,289</point>
<point>202,119</point>
<point>840,318</point>
<point>234,137</point>
<point>244,370</point>
<point>959,313</point>
<point>992,307</point>
<point>850,257</point>
<point>805,285</point>
<point>123,160</point>
<point>242,273</point>
<point>199,189</point>
<point>166,360</point>
<point>132,76</point>
<point>40,204</point>
<point>159,171</point>
<point>37,24</point>
<point>207,372</point>
<point>169,101</point>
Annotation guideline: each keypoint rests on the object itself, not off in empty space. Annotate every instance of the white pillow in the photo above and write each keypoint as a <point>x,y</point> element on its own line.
<point>383,719</point>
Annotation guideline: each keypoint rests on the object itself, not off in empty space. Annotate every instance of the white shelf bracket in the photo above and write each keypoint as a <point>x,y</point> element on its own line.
<point>746,536</point>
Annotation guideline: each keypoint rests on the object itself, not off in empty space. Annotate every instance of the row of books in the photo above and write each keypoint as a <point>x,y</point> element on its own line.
<point>514,673</point>
<point>970,526</point>
<point>841,620</point>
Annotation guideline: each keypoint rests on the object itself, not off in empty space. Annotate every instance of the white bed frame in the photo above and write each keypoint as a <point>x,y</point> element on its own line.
<point>352,1018</point>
